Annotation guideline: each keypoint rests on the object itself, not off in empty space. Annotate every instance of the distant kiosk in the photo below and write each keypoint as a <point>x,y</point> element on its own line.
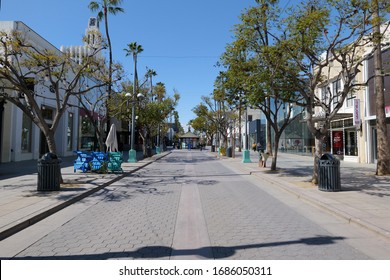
<point>187,139</point>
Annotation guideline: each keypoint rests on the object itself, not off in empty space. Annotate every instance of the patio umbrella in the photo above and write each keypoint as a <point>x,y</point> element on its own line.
<point>111,141</point>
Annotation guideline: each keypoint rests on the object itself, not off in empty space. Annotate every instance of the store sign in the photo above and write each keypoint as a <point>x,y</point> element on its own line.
<point>337,140</point>
<point>356,112</point>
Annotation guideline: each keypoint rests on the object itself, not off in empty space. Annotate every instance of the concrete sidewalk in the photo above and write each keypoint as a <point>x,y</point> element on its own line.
<point>364,198</point>
<point>21,205</point>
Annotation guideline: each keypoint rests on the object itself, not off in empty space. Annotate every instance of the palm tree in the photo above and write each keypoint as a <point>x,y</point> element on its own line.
<point>133,49</point>
<point>105,7</point>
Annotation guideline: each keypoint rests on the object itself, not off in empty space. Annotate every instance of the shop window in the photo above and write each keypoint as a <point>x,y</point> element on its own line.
<point>338,147</point>
<point>26,134</point>
<point>70,132</point>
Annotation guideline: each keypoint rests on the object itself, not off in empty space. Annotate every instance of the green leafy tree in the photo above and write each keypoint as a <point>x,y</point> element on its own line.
<point>30,74</point>
<point>153,112</point>
<point>255,74</point>
<point>321,37</point>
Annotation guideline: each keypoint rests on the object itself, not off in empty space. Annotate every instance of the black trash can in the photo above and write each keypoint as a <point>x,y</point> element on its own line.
<point>213,148</point>
<point>49,173</point>
<point>329,173</point>
<point>229,152</point>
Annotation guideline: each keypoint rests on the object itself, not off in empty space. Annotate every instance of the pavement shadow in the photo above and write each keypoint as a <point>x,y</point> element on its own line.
<point>27,167</point>
<point>293,172</point>
<point>351,179</point>
<point>179,159</point>
<point>368,184</point>
<point>212,252</point>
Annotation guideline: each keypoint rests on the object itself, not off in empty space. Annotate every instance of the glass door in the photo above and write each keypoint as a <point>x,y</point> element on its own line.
<point>351,148</point>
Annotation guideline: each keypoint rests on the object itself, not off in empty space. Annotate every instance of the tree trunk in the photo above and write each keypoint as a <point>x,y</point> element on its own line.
<point>275,154</point>
<point>269,128</point>
<point>109,88</point>
<point>383,165</point>
<point>51,143</point>
<point>319,141</point>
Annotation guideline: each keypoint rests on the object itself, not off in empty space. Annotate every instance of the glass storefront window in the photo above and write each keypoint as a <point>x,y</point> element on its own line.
<point>337,141</point>
<point>26,134</point>
<point>70,132</point>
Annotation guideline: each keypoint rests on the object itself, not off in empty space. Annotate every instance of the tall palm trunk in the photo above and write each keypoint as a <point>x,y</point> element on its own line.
<point>109,88</point>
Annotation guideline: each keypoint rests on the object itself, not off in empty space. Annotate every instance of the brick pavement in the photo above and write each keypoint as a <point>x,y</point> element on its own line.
<point>364,198</point>
<point>363,201</point>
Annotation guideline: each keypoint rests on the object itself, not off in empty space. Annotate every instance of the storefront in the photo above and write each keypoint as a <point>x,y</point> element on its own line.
<point>344,140</point>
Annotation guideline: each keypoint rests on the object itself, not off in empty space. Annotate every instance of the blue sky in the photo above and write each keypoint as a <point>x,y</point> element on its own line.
<point>182,39</point>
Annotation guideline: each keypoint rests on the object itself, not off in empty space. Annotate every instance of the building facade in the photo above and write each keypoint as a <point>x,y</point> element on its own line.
<point>20,138</point>
<point>352,135</point>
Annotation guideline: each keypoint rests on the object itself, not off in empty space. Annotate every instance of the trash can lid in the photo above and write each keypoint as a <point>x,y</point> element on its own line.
<point>49,156</point>
<point>327,157</point>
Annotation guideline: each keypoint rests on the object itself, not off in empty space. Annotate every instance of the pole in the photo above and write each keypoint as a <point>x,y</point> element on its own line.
<point>132,152</point>
<point>246,153</point>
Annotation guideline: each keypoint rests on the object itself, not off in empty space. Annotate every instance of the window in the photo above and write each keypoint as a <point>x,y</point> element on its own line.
<point>336,89</point>
<point>47,113</point>
<point>350,97</point>
<point>324,95</point>
<point>26,134</point>
<point>69,133</point>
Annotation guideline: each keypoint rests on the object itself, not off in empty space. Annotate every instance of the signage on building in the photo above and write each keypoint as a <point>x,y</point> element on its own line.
<point>387,110</point>
<point>356,112</point>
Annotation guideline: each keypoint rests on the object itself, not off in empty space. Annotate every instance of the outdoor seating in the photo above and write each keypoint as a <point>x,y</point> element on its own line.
<point>99,161</point>
<point>115,160</point>
<point>82,161</point>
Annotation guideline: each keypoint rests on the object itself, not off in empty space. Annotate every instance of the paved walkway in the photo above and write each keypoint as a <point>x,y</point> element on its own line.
<point>364,199</point>
<point>21,205</point>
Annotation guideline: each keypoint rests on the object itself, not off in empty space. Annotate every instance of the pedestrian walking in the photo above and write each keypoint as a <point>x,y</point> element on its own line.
<point>264,157</point>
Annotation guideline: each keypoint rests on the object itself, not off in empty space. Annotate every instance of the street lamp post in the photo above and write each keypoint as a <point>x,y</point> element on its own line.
<point>246,153</point>
<point>132,152</point>
<point>133,49</point>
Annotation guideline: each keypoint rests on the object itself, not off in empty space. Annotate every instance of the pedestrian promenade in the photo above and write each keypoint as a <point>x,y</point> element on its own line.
<point>364,198</point>
<point>21,205</point>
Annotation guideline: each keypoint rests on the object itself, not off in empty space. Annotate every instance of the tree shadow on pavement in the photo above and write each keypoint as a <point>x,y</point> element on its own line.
<point>366,183</point>
<point>294,172</point>
<point>351,179</point>
<point>212,252</point>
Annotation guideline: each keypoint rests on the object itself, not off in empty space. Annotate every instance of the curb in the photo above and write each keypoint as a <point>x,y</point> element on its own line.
<point>39,217</point>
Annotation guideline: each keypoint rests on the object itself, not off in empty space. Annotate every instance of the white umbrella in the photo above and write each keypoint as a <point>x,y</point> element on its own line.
<point>111,141</point>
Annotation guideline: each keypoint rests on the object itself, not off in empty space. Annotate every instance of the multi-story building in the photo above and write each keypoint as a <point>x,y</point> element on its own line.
<point>369,109</point>
<point>20,138</point>
<point>93,45</point>
<point>352,135</point>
